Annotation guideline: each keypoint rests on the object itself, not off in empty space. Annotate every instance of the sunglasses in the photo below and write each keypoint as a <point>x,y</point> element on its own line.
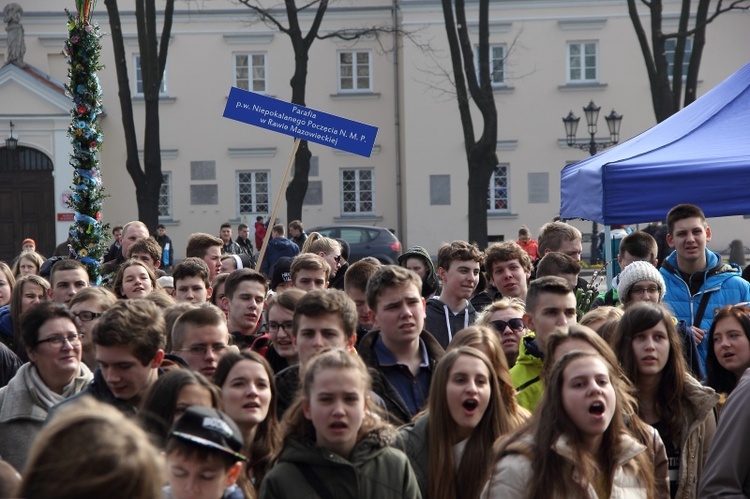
<point>513,324</point>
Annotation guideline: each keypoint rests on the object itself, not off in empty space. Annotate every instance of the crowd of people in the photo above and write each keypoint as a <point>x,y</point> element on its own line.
<point>480,375</point>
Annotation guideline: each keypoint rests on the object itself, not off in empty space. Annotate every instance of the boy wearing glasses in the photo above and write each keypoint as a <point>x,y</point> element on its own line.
<point>550,304</point>
<point>201,337</point>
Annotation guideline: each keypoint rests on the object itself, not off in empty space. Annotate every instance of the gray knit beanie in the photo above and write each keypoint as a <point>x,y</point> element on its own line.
<point>635,272</point>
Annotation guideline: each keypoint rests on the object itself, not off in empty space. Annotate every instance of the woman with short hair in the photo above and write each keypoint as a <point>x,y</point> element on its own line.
<point>54,372</point>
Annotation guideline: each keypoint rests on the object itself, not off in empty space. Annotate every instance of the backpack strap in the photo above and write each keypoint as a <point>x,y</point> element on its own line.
<point>701,309</point>
<point>527,384</point>
<point>314,480</point>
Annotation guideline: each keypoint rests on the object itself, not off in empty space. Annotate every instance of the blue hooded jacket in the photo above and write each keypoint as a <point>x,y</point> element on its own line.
<point>722,284</point>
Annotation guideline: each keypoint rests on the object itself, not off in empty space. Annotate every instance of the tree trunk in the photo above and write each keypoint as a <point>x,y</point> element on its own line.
<point>480,171</point>
<point>147,180</point>
<point>132,163</point>
<point>481,157</point>
<point>666,89</point>
<point>699,42</point>
<point>297,189</point>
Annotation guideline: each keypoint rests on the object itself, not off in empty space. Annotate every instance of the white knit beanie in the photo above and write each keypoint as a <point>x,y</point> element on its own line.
<point>635,272</point>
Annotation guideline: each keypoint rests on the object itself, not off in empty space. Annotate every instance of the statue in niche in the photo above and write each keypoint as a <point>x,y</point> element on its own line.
<point>14,28</point>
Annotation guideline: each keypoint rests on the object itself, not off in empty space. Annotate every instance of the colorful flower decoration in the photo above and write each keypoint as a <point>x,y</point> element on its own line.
<point>82,49</point>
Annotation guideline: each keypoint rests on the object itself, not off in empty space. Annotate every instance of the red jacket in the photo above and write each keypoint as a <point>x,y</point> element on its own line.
<point>260,234</point>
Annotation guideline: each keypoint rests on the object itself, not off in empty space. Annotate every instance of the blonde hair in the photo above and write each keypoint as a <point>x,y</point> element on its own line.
<point>91,449</point>
<point>483,319</point>
<point>600,314</point>
<point>316,243</point>
<point>295,424</point>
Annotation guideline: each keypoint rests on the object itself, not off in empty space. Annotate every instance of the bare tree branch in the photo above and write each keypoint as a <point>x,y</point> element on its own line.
<point>265,15</point>
<point>668,80</point>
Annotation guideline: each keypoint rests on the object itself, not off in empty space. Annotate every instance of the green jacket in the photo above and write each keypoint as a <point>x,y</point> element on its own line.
<point>526,374</point>
<point>374,471</point>
<point>413,441</point>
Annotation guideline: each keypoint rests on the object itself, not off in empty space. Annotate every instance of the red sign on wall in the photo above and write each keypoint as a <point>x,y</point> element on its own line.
<point>65,217</point>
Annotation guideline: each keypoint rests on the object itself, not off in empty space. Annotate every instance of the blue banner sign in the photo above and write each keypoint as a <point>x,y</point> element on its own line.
<point>300,122</point>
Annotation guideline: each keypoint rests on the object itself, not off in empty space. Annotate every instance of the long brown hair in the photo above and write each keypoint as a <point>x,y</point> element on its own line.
<point>670,396</point>
<point>267,441</point>
<point>551,471</point>
<point>117,284</point>
<point>642,432</point>
<point>444,482</point>
<point>16,300</point>
<point>486,340</point>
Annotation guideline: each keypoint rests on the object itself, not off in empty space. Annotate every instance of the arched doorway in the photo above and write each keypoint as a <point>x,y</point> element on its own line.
<point>27,201</point>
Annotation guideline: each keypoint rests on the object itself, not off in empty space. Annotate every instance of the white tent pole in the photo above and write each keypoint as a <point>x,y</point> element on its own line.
<point>608,254</point>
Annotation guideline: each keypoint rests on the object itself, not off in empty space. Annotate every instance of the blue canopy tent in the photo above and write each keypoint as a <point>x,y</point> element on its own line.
<point>700,155</point>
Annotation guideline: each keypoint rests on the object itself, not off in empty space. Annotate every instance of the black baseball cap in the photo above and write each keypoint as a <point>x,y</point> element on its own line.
<point>208,427</point>
<point>281,272</point>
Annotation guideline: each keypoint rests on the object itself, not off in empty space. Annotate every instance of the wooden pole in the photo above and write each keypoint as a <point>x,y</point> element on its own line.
<point>272,218</point>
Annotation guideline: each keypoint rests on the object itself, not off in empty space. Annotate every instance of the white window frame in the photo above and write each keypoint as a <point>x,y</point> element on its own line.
<point>492,47</point>
<point>254,192</point>
<point>501,60</point>
<point>669,47</point>
<point>138,79</point>
<point>492,198</point>
<point>360,194</point>
<point>165,197</point>
<point>355,67</point>
<point>581,66</point>
<point>256,73</point>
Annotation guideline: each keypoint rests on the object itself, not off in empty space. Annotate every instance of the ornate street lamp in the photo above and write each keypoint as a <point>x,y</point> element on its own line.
<point>614,121</point>
<point>11,142</point>
<point>591,112</point>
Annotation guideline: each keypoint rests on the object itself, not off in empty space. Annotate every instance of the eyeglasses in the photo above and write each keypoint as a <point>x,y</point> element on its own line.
<point>58,340</point>
<point>514,324</point>
<point>217,348</point>
<point>638,290</point>
<point>86,316</point>
<point>274,327</point>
